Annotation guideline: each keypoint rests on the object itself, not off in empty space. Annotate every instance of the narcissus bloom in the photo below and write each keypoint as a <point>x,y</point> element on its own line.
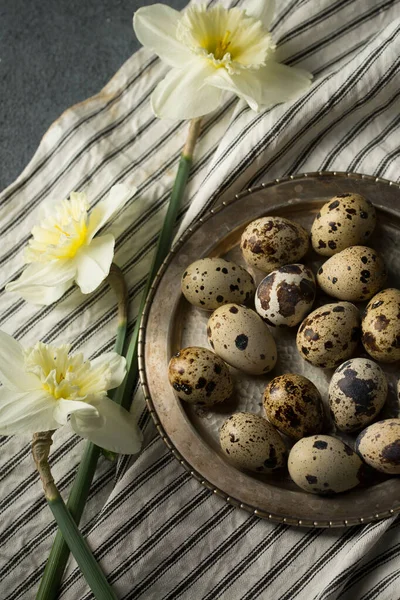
<point>64,248</point>
<point>215,50</point>
<point>44,385</point>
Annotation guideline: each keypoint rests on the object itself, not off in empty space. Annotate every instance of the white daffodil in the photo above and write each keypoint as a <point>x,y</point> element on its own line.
<point>44,385</point>
<point>64,248</point>
<point>214,50</point>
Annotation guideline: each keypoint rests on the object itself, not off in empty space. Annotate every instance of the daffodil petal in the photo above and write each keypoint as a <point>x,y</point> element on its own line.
<point>64,408</point>
<point>246,85</point>
<point>155,28</point>
<point>45,283</point>
<point>115,429</point>
<point>26,413</point>
<point>262,10</point>
<point>117,197</point>
<point>93,263</point>
<point>116,364</point>
<point>12,371</point>
<point>183,94</point>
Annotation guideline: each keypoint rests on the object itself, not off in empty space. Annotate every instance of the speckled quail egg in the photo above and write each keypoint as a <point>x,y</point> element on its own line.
<point>346,220</point>
<point>270,242</point>
<point>293,404</point>
<point>251,443</point>
<point>379,446</point>
<point>286,295</point>
<point>329,334</point>
<point>381,326</point>
<point>322,464</point>
<point>354,274</point>
<point>211,282</point>
<point>357,392</point>
<point>199,376</point>
<point>241,338</point>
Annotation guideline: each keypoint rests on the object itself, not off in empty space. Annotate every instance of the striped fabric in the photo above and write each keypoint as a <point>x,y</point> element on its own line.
<point>156,532</point>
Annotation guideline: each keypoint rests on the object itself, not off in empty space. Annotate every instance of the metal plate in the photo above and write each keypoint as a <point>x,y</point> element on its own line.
<point>170,323</point>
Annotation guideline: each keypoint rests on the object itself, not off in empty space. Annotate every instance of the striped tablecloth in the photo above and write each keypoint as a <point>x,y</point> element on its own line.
<point>156,532</point>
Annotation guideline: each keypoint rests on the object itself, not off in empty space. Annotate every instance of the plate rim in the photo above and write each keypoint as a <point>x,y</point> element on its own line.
<point>196,224</point>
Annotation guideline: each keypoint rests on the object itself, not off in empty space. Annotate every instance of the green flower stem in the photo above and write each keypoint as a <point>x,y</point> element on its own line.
<point>78,496</point>
<point>83,555</point>
<point>125,391</point>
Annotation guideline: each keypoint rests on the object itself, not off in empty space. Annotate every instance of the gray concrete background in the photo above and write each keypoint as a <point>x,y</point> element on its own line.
<point>55,53</point>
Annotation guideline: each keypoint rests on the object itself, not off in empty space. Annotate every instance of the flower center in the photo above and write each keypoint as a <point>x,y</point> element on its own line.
<point>222,46</point>
<point>62,232</point>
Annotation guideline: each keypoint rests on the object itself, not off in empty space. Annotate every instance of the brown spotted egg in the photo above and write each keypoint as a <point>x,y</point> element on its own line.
<point>293,404</point>
<point>322,464</point>
<point>381,326</point>
<point>250,442</point>
<point>270,242</point>
<point>354,274</point>
<point>379,446</point>
<point>199,376</point>
<point>357,392</point>
<point>329,334</point>
<point>242,339</point>
<point>211,282</point>
<point>286,295</point>
<point>346,220</point>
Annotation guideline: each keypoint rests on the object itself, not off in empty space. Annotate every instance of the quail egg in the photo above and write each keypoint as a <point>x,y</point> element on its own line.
<point>381,326</point>
<point>353,274</point>
<point>357,392</point>
<point>346,220</point>
<point>322,464</point>
<point>286,295</point>
<point>251,443</point>
<point>270,242</point>
<point>379,446</point>
<point>199,376</point>
<point>211,282</point>
<point>293,404</point>
<point>329,334</point>
<point>241,338</point>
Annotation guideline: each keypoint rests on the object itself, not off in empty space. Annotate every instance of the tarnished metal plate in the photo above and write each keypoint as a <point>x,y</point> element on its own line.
<point>170,323</point>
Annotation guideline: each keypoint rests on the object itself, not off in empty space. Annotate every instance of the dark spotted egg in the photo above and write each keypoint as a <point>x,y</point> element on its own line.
<point>199,376</point>
<point>293,404</point>
<point>381,326</point>
<point>346,220</point>
<point>242,339</point>
<point>270,242</point>
<point>379,446</point>
<point>357,392</point>
<point>211,282</point>
<point>250,442</point>
<point>354,274</point>
<point>329,335</point>
<point>322,464</point>
<point>286,295</point>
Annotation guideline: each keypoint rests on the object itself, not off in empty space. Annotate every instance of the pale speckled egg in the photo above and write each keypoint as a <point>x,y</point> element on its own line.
<point>199,376</point>
<point>379,446</point>
<point>354,274</point>
<point>346,220</point>
<point>212,282</point>
<point>322,464</point>
<point>357,392</point>
<point>242,339</point>
<point>293,405</point>
<point>270,242</point>
<point>329,334</point>
<point>250,442</point>
<point>381,326</point>
<point>286,295</point>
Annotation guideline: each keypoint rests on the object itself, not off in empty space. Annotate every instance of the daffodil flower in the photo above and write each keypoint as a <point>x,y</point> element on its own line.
<point>64,248</point>
<point>215,50</point>
<point>45,387</point>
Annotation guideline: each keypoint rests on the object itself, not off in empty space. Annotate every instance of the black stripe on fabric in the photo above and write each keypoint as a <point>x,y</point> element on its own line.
<point>388,159</point>
<point>284,14</point>
<point>361,155</point>
<point>376,591</point>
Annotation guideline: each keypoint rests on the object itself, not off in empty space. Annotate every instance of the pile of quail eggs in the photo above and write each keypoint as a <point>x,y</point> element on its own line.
<point>328,337</point>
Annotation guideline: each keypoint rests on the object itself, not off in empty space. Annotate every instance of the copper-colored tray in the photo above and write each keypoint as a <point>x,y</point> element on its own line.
<point>170,323</point>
